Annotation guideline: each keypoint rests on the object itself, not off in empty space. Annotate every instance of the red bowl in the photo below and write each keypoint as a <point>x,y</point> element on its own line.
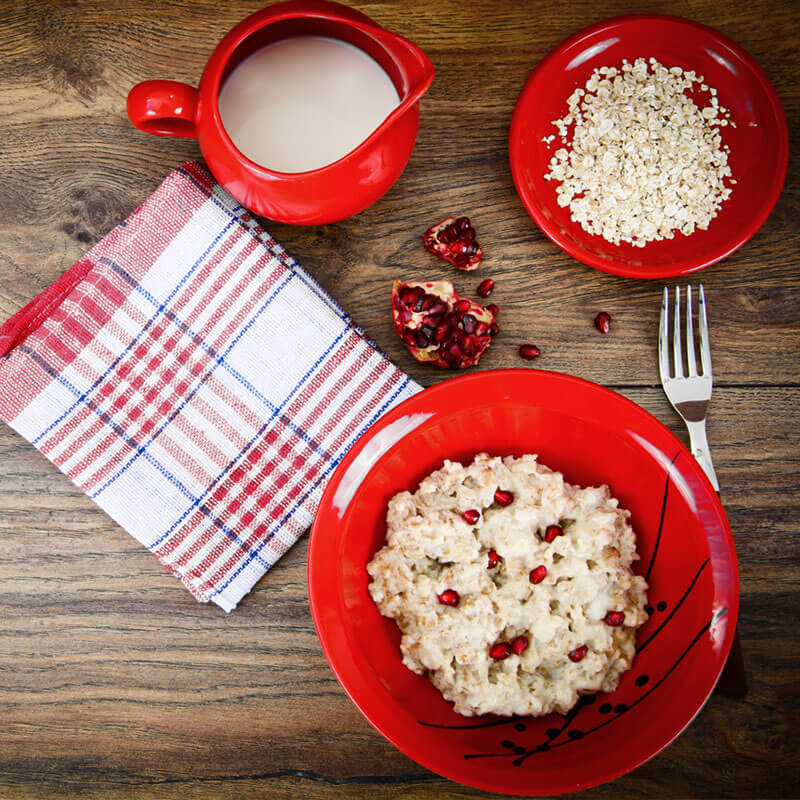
<point>594,436</point>
<point>759,145</point>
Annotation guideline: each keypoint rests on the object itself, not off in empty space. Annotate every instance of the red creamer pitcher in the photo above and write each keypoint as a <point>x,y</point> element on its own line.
<point>330,193</point>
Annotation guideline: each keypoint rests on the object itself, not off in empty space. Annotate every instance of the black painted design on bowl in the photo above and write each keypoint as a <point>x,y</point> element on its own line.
<point>522,753</point>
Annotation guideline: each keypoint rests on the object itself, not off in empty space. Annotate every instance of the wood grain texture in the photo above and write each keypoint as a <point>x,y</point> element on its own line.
<point>114,683</point>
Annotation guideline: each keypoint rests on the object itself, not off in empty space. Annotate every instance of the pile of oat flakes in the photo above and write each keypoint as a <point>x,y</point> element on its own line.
<point>642,160</point>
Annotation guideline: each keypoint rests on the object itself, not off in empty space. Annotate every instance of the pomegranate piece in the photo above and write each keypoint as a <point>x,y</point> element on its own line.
<point>529,351</point>
<point>438,326</point>
<point>500,650</point>
<point>614,618</point>
<point>578,653</point>
<point>485,287</point>
<point>494,559</point>
<point>454,241</point>
<point>449,597</point>
<point>471,516</point>
<point>538,574</point>
<point>503,498</point>
<point>603,322</point>
<point>551,531</point>
<point>520,645</point>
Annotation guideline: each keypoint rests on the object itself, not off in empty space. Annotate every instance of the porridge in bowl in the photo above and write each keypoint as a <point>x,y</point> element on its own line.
<point>513,589</point>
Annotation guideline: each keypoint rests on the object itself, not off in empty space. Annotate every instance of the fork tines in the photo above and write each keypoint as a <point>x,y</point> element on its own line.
<point>677,342</point>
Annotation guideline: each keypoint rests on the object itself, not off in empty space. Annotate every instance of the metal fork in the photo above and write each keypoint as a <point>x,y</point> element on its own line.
<point>689,393</point>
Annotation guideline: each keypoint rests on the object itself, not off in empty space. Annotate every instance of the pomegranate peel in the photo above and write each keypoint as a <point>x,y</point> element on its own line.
<point>454,241</point>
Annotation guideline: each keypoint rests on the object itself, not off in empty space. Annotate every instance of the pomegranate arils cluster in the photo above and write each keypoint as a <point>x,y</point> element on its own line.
<point>454,241</point>
<point>500,650</point>
<point>440,327</point>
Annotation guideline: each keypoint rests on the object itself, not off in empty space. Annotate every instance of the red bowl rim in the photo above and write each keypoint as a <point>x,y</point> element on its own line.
<point>420,754</point>
<point>686,265</point>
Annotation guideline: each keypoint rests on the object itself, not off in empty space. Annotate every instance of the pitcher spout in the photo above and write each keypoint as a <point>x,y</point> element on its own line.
<point>410,69</point>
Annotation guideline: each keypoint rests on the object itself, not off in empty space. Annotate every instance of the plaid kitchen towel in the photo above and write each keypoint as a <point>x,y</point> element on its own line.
<point>196,383</point>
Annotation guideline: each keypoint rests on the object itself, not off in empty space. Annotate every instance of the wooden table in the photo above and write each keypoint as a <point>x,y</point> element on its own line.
<point>114,683</point>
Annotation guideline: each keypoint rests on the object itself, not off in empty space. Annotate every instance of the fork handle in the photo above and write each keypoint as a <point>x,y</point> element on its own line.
<point>699,446</point>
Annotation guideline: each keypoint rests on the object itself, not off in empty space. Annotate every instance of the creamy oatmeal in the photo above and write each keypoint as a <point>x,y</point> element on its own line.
<point>512,588</point>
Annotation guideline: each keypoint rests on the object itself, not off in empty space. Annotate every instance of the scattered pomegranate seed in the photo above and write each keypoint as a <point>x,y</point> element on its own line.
<point>503,498</point>
<point>500,650</point>
<point>603,322</point>
<point>614,618</point>
<point>520,645</point>
<point>551,531</point>
<point>494,559</point>
<point>529,351</point>
<point>471,516</point>
<point>578,653</point>
<point>538,574</point>
<point>449,597</point>
<point>485,287</point>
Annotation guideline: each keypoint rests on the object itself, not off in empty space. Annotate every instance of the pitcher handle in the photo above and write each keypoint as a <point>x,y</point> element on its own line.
<point>166,108</point>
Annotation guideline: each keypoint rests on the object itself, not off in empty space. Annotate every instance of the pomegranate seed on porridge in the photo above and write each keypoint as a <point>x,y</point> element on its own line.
<point>503,498</point>
<point>471,516</point>
<point>449,597</point>
<point>552,532</point>
<point>500,650</point>
<point>578,653</point>
<point>538,574</point>
<point>614,618</point>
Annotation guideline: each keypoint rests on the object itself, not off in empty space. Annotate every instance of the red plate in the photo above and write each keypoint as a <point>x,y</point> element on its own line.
<point>759,144</point>
<point>594,436</point>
